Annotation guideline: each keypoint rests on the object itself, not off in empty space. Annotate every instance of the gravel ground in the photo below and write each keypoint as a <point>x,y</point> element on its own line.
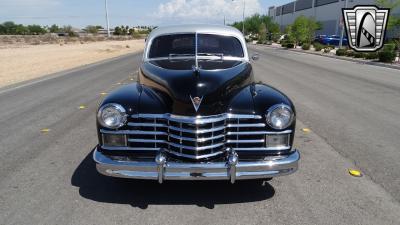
<point>24,62</point>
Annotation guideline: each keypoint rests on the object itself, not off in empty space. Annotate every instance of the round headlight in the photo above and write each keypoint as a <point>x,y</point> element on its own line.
<point>112,116</point>
<point>280,116</point>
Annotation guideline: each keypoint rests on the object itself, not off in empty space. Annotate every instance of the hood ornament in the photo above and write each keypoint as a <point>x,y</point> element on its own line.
<point>196,101</point>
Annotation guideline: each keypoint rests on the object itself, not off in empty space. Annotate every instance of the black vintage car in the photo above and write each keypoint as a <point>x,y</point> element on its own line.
<point>196,113</point>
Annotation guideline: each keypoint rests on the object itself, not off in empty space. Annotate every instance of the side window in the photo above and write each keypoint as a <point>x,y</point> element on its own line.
<point>163,46</point>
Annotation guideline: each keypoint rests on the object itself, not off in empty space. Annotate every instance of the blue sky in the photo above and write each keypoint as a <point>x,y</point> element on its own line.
<point>80,13</point>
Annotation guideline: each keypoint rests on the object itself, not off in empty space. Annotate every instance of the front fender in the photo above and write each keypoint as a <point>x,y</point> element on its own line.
<point>266,96</point>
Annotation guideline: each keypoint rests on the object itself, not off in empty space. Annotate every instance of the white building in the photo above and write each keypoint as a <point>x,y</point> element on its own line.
<point>328,12</point>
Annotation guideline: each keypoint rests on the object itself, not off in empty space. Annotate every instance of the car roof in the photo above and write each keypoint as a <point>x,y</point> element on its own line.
<point>196,28</point>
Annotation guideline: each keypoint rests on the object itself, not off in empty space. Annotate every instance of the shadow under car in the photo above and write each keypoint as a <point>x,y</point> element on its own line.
<point>142,193</point>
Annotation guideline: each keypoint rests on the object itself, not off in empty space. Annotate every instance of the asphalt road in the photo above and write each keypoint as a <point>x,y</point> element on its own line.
<point>351,109</point>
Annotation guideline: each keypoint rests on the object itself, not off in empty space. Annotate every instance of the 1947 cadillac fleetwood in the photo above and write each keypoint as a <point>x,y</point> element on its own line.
<point>196,113</point>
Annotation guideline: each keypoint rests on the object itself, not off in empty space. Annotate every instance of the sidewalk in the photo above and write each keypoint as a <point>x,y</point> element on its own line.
<point>395,65</point>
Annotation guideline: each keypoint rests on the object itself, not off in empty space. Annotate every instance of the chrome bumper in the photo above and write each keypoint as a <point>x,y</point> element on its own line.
<point>231,170</point>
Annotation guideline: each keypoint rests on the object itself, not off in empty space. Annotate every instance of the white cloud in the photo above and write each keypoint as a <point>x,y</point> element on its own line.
<point>185,11</point>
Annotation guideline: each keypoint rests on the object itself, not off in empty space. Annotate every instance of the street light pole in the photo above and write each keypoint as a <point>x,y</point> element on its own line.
<point>342,34</point>
<point>244,8</point>
<point>108,22</point>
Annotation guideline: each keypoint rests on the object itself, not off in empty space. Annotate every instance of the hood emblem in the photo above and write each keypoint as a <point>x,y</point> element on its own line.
<point>196,101</point>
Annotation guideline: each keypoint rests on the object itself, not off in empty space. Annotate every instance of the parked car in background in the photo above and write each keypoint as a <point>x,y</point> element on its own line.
<point>330,40</point>
<point>196,113</point>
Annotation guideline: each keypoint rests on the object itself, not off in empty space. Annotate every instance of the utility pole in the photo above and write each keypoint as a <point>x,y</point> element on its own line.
<point>108,22</point>
<point>342,34</point>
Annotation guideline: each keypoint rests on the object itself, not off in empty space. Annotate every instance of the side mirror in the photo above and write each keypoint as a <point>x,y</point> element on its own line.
<point>255,57</point>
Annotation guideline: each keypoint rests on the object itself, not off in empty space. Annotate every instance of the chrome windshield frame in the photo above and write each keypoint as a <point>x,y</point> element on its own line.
<point>196,57</point>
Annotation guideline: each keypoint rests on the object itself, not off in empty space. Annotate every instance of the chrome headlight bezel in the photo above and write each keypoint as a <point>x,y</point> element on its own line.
<point>270,112</point>
<point>123,117</point>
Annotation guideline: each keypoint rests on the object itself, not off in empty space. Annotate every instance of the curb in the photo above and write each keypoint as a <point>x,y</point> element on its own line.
<point>372,63</point>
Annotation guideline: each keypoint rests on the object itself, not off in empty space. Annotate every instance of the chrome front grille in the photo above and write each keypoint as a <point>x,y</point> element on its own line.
<point>195,137</point>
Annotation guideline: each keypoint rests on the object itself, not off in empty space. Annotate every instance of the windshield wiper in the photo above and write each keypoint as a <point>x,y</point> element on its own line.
<point>211,56</point>
<point>221,55</point>
<point>180,55</point>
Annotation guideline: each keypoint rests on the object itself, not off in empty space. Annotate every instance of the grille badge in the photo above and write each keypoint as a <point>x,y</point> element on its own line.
<point>196,101</point>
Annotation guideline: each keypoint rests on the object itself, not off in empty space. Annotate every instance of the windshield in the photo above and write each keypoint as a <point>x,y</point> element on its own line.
<point>184,45</point>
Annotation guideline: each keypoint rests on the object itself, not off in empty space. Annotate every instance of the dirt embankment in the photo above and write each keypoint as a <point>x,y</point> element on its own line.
<point>21,62</point>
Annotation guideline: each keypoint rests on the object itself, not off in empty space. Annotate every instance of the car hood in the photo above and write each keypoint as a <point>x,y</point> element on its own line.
<point>215,84</point>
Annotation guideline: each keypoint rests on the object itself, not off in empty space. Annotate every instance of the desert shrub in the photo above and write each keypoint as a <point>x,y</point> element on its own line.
<point>305,47</point>
<point>371,55</point>
<point>341,52</point>
<point>136,35</point>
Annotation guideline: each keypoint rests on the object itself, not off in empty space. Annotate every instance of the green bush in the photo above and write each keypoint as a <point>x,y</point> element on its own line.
<point>359,55</point>
<point>341,52</point>
<point>371,55</point>
<point>286,44</point>
<point>349,53</point>
<point>331,46</point>
<point>289,45</point>
<point>318,47</point>
<point>305,46</point>
<point>389,47</point>
<point>387,56</point>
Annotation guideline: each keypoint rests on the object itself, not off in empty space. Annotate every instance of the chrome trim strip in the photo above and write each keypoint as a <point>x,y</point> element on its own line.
<point>264,149</point>
<point>158,149</point>
<point>196,119</point>
<point>128,149</point>
<point>243,116</point>
<point>199,131</point>
<point>196,139</point>
<point>146,141</point>
<point>133,132</point>
<point>196,50</point>
<point>147,125</point>
<point>258,132</point>
<point>192,131</point>
<point>196,148</point>
<point>246,141</point>
<point>246,125</point>
<point>193,156</point>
